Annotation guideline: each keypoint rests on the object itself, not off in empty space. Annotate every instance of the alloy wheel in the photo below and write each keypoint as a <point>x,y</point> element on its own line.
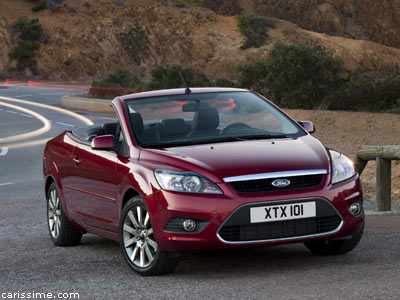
<point>53,213</point>
<point>138,237</point>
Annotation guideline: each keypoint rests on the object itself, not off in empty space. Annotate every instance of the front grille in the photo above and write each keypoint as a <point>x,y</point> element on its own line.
<point>265,185</point>
<point>279,229</point>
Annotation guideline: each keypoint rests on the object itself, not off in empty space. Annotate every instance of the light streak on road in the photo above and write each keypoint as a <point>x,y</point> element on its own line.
<point>60,110</point>
<point>46,125</point>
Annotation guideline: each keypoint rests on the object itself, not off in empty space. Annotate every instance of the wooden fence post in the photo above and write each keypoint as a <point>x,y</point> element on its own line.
<point>383,184</point>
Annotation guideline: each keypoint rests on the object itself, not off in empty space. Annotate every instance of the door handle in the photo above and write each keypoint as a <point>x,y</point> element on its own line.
<point>77,161</point>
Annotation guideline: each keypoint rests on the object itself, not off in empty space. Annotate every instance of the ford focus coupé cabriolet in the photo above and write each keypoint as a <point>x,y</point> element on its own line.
<point>196,170</point>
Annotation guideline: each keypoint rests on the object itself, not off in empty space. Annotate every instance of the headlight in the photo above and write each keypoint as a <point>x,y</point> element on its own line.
<point>185,182</point>
<point>342,167</point>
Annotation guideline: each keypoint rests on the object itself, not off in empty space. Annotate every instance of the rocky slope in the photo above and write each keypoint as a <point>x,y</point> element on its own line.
<point>85,39</point>
<point>377,21</point>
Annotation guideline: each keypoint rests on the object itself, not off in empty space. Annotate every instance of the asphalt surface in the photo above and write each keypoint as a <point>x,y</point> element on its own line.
<point>96,270</point>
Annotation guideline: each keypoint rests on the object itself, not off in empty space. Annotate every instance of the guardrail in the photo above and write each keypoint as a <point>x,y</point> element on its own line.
<point>383,156</point>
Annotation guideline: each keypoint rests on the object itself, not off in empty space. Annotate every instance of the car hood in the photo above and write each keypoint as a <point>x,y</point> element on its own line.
<point>229,159</point>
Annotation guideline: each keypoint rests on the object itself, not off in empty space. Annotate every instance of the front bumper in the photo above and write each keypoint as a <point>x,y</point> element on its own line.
<point>219,211</point>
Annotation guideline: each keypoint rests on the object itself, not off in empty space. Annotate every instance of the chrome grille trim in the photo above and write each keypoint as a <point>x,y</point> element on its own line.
<point>275,175</point>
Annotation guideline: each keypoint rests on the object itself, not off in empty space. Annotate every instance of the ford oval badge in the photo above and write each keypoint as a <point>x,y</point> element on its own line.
<point>280,183</point>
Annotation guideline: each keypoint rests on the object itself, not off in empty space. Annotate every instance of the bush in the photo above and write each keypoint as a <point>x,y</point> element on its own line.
<point>120,78</point>
<point>3,77</point>
<point>40,5</point>
<point>223,82</point>
<point>29,35</point>
<point>136,42</point>
<point>298,76</point>
<point>255,29</point>
<point>185,3</point>
<point>166,78</point>
<point>364,92</point>
<point>24,49</point>
<point>30,31</point>
<point>253,76</point>
<point>301,76</point>
<point>306,76</point>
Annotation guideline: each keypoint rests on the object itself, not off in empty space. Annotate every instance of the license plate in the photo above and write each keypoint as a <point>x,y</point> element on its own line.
<point>282,212</point>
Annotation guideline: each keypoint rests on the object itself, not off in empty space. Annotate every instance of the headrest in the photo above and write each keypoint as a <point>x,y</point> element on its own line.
<point>110,128</point>
<point>173,126</point>
<point>206,119</point>
<point>137,123</point>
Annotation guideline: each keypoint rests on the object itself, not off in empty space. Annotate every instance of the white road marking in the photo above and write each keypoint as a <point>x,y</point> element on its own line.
<point>11,111</point>
<point>24,96</point>
<point>3,151</point>
<point>7,183</point>
<point>65,124</point>
<point>28,116</point>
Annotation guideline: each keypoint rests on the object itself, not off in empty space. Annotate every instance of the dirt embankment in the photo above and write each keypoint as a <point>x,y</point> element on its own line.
<point>372,20</point>
<point>346,131</point>
<point>86,41</point>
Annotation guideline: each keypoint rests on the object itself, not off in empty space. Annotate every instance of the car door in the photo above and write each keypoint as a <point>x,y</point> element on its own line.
<point>93,187</point>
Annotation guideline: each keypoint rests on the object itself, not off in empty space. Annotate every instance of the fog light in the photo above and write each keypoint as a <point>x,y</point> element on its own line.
<point>189,225</point>
<point>355,209</point>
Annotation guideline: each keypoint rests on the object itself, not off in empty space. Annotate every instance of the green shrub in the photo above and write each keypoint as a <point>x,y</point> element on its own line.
<point>223,82</point>
<point>301,76</point>
<point>136,42</point>
<point>24,49</point>
<point>2,77</point>
<point>363,92</point>
<point>165,78</point>
<point>30,31</point>
<point>255,29</point>
<point>298,76</point>
<point>120,78</point>
<point>40,5</point>
<point>253,76</point>
<point>185,3</point>
<point>29,35</point>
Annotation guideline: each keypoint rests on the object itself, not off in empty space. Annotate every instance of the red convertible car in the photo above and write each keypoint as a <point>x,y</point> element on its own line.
<point>196,170</point>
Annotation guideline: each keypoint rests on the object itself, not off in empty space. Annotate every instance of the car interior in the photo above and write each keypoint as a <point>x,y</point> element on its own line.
<point>204,123</point>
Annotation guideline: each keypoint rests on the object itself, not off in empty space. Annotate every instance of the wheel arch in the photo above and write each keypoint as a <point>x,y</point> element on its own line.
<point>129,193</point>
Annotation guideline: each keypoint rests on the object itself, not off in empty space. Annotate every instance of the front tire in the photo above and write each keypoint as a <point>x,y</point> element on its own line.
<point>137,242</point>
<point>333,247</point>
<point>62,233</point>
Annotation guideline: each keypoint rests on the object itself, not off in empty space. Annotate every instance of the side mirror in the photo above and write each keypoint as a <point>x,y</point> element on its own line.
<point>308,126</point>
<point>103,142</point>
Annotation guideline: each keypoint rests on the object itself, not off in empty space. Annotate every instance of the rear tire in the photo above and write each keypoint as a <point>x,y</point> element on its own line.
<point>62,233</point>
<point>332,247</point>
<point>139,248</point>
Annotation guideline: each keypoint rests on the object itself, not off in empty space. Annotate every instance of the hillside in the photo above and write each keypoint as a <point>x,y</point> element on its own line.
<point>377,21</point>
<point>85,39</point>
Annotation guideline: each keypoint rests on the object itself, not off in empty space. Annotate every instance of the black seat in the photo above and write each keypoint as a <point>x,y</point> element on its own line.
<point>205,122</point>
<point>110,128</point>
<point>174,128</point>
<point>138,127</point>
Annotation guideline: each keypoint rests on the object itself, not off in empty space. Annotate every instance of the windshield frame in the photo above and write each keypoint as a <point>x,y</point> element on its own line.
<point>301,131</point>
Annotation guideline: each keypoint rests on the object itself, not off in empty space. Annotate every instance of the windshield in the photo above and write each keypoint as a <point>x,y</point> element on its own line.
<point>207,118</point>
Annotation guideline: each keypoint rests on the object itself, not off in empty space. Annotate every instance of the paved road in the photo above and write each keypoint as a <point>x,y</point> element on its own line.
<point>95,269</point>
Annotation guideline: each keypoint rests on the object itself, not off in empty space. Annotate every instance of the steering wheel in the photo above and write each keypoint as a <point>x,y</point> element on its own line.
<point>234,126</point>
